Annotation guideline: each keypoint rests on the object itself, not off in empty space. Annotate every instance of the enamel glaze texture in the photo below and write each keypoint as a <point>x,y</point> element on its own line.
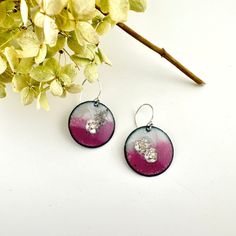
<point>149,153</point>
<point>91,125</point>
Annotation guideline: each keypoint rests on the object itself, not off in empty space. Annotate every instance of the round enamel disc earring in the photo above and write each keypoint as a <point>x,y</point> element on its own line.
<point>148,149</point>
<point>91,123</point>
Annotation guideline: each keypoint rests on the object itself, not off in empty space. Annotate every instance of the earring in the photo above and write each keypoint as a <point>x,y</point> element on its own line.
<point>148,149</point>
<point>91,123</point>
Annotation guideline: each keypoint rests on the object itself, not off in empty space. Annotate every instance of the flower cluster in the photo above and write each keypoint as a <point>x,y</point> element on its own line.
<point>34,34</point>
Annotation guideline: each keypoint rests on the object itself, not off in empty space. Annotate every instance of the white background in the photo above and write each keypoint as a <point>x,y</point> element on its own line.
<point>51,186</point>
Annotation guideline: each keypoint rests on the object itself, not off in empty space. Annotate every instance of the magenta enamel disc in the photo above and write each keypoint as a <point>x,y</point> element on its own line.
<point>91,124</point>
<point>149,152</point>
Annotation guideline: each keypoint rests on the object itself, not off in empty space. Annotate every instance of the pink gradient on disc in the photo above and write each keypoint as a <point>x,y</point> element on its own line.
<point>159,141</point>
<point>85,113</point>
<point>87,139</point>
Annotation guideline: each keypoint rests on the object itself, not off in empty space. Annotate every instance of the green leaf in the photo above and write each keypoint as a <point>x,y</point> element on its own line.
<point>41,54</point>
<point>42,101</point>
<point>108,19</point>
<point>56,88</point>
<point>39,33</point>
<point>73,44</point>
<point>3,93</point>
<point>25,65</point>
<point>8,22</point>
<point>68,74</point>
<point>97,60</point>
<point>118,10</point>
<point>61,19</point>
<point>33,3</point>
<point>105,6</point>
<point>27,96</point>
<point>87,32</point>
<point>65,21</point>
<point>103,27</point>
<point>80,61</point>
<point>91,73</point>
<point>12,58</point>
<point>87,52</point>
<point>24,12</point>
<point>51,51</point>
<point>74,88</point>
<point>54,7</point>
<point>79,38</point>
<point>82,9</point>
<point>17,19</point>
<point>42,74</point>
<point>69,70</point>
<point>50,31</point>
<point>3,65</point>
<point>10,5</point>
<point>4,39</point>
<point>3,12</point>
<point>38,19</point>
<point>138,5</point>
<point>53,65</point>
<point>66,79</point>
<point>19,82</point>
<point>64,94</point>
<point>29,44</point>
<point>104,58</point>
<point>6,76</point>
<point>97,18</point>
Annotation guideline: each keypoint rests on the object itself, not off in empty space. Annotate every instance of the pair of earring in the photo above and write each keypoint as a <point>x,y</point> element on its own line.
<point>148,150</point>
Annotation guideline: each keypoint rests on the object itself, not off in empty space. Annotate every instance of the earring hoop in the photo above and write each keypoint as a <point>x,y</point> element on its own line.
<point>97,98</point>
<point>150,123</point>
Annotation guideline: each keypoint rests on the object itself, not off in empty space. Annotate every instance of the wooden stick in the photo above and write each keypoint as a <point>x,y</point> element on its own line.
<point>162,52</point>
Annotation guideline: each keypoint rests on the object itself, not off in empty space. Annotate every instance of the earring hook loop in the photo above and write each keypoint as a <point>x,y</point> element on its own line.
<point>150,123</point>
<point>97,98</point>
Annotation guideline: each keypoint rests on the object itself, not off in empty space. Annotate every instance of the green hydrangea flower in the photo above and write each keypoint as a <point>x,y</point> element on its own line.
<point>34,34</point>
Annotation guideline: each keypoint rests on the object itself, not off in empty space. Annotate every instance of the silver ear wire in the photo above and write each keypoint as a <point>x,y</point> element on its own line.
<point>150,123</point>
<point>97,99</point>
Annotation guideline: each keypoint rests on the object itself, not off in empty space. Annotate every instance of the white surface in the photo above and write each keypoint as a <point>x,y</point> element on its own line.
<point>51,186</point>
